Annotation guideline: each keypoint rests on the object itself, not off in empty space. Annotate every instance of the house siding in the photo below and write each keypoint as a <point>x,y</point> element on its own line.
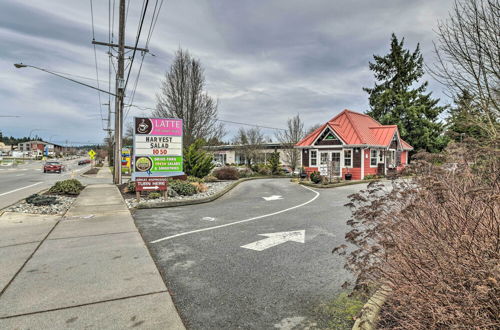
<point>368,169</point>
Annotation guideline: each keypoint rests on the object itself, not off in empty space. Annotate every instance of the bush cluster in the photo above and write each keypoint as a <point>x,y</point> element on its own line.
<point>210,178</point>
<point>226,173</point>
<point>197,162</point>
<point>39,200</point>
<point>154,195</point>
<point>315,177</point>
<point>66,187</point>
<point>183,188</point>
<point>433,240</point>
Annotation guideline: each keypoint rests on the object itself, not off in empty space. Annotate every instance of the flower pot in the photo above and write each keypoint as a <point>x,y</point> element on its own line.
<point>348,176</point>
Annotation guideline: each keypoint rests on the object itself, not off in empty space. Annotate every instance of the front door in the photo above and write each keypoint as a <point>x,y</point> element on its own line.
<point>329,163</point>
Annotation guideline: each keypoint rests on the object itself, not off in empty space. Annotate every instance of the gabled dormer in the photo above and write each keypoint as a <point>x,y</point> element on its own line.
<point>328,138</point>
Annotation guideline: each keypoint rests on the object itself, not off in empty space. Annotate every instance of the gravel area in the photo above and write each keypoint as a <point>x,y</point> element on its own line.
<point>213,188</point>
<point>59,208</point>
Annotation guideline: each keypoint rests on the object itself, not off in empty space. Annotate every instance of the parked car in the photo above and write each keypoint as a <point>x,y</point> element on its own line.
<point>53,167</point>
<point>84,161</point>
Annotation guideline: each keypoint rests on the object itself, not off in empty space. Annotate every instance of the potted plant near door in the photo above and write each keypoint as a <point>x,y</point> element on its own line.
<point>348,176</point>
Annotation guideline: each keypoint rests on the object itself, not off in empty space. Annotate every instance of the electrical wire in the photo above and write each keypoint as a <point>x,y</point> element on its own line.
<point>96,66</point>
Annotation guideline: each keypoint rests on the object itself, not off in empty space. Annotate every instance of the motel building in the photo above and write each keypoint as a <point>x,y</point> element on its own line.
<point>354,143</point>
<point>232,154</point>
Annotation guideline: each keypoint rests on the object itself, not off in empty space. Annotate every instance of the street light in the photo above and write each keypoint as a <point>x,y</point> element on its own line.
<point>21,65</point>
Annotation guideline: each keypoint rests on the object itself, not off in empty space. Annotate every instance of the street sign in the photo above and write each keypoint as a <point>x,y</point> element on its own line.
<point>157,147</point>
<point>151,184</point>
<point>126,158</point>
<point>91,154</point>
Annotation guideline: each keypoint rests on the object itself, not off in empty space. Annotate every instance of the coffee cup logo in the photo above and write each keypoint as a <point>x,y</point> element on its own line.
<point>143,126</point>
<point>143,164</point>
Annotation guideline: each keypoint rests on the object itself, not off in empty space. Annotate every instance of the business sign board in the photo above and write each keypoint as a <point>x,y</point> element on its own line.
<point>151,184</point>
<point>157,147</point>
<point>126,157</point>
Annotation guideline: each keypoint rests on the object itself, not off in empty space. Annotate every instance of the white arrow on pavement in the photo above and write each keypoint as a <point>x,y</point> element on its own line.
<point>273,198</point>
<point>274,239</point>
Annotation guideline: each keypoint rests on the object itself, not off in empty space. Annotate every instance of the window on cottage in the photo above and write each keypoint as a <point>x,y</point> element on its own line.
<point>380,156</point>
<point>373,157</point>
<point>313,161</point>
<point>348,158</point>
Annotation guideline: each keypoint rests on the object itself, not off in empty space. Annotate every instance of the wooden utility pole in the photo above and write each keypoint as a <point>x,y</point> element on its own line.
<point>120,85</point>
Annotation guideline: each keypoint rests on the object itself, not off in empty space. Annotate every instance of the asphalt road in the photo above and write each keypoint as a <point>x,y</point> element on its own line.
<point>218,284</point>
<point>18,182</point>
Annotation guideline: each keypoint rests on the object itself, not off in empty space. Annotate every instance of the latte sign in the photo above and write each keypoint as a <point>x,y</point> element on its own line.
<point>157,147</point>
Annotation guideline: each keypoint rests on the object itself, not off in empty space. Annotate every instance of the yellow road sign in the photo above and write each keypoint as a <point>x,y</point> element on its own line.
<point>91,153</point>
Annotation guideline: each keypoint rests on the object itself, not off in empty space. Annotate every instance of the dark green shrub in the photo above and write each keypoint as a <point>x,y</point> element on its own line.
<point>315,177</point>
<point>227,173</point>
<point>66,187</point>
<point>154,195</point>
<point>246,173</point>
<point>197,162</point>
<point>182,187</point>
<point>371,176</point>
<point>39,200</point>
<point>264,170</point>
<point>274,163</point>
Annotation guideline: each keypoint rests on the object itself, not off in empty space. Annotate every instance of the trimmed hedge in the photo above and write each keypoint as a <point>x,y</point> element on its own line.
<point>66,187</point>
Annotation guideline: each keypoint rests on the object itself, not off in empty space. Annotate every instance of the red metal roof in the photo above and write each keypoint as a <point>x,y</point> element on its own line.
<point>356,128</point>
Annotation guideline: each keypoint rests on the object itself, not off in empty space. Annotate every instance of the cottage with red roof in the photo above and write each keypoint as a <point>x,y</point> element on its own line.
<point>354,143</point>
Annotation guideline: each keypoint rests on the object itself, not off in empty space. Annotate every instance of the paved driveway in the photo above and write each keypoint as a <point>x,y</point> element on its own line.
<point>223,274</point>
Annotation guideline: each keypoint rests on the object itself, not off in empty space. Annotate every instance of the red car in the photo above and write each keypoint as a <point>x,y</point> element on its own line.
<point>53,167</point>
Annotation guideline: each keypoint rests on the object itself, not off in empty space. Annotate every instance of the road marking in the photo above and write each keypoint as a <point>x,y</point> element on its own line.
<point>242,221</point>
<point>19,175</point>
<point>208,219</point>
<point>274,239</point>
<point>273,198</point>
<point>31,185</point>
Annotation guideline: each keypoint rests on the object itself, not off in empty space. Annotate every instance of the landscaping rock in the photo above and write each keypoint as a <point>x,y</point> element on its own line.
<point>213,188</point>
<point>62,204</point>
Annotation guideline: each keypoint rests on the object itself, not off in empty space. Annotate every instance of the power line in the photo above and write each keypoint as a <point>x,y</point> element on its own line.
<point>96,67</point>
<point>136,42</point>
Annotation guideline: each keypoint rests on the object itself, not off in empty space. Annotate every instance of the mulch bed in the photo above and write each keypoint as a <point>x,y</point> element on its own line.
<point>93,170</point>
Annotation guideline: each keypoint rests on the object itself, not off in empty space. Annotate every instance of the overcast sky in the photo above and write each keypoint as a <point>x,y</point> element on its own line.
<point>264,60</point>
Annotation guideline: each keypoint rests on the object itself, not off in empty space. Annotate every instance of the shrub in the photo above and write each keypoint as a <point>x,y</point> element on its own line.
<point>210,178</point>
<point>226,173</point>
<point>315,177</point>
<point>433,241</point>
<point>39,200</point>
<point>183,188</point>
<point>154,195</point>
<point>66,187</point>
<point>197,162</point>
<point>130,187</point>
<point>200,187</point>
<point>245,172</point>
<point>264,170</point>
<point>371,176</point>
<point>274,163</point>
<point>195,179</point>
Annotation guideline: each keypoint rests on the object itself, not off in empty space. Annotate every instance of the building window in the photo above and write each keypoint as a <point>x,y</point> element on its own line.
<point>313,161</point>
<point>380,156</point>
<point>348,158</point>
<point>373,157</point>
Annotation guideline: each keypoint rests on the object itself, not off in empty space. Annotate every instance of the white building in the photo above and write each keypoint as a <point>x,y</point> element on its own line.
<point>233,154</point>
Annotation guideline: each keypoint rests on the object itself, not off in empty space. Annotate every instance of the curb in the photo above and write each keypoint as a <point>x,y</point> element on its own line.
<point>371,310</point>
<point>2,210</point>
<point>335,185</point>
<point>206,199</point>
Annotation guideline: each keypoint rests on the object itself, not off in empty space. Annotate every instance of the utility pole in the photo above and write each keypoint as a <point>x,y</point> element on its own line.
<point>120,85</point>
<point>120,92</point>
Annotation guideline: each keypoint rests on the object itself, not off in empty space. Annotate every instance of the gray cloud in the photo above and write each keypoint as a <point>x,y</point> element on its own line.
<point>264,60</point>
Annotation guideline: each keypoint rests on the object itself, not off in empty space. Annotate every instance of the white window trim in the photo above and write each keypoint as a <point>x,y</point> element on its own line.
<point>376,158</point>
<point>317,160</point>
<point>343,158</point>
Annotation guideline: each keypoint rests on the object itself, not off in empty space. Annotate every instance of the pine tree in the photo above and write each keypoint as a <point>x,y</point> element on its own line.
<point>396,98</point>
<point>197,162</point>
<point>465,119</point>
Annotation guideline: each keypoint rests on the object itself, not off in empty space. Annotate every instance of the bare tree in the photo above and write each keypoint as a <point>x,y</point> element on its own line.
<point>250,141</point>
<point>289,138</point>
<point>468,57</point>
<point>312,128</point>
<point>182,96</point>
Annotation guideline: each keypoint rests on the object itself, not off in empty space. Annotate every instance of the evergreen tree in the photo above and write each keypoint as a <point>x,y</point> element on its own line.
<point>274,162</point>
<point>466,120</point>
<point>197,162</point>
<point>396,98</point>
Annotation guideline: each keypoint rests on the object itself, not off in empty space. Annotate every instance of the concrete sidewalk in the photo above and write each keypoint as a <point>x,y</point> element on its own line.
<point>88,269</point>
